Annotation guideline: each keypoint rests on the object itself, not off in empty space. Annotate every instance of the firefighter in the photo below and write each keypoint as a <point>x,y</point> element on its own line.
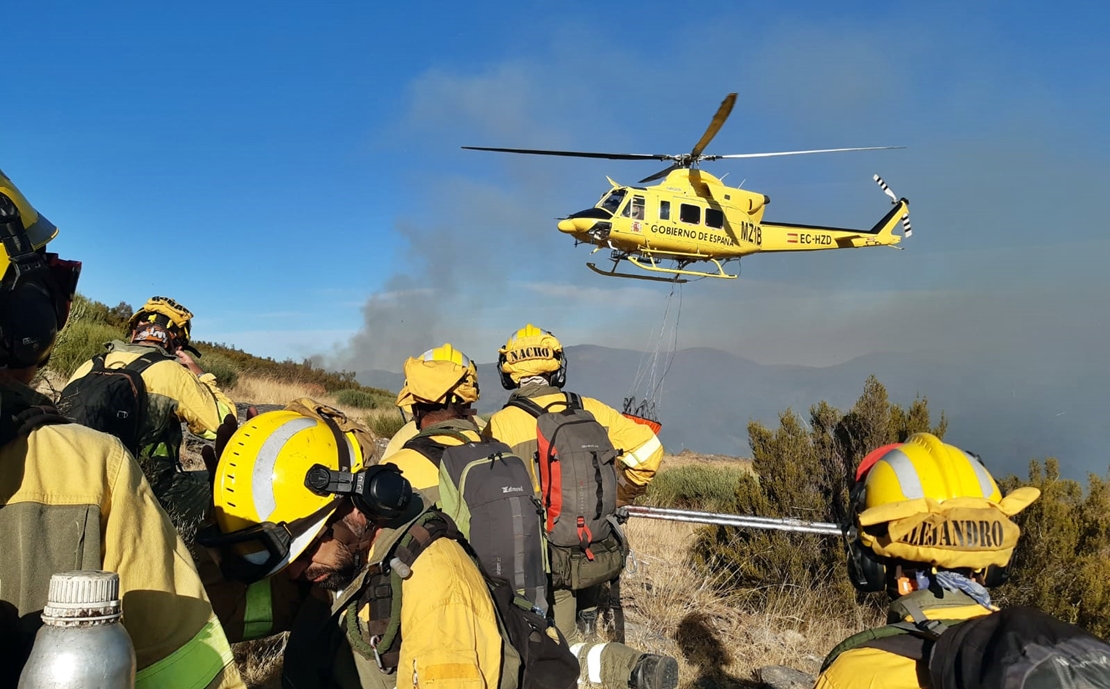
<point>533,366</point>
<point>441,387</point>
<point>73,498</point>
<point>305,527</point>
<point>177,390</point>
<point>911,505</point>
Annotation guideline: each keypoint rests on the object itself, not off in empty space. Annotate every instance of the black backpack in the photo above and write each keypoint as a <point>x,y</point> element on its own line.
<point>487,491</point>
<point>1015,648</point>
<point>111,400</point>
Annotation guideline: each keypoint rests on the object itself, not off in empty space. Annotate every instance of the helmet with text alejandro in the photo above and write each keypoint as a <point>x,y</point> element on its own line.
<point>529,352</point>
<point>439,376</point>
<point>927,502</point>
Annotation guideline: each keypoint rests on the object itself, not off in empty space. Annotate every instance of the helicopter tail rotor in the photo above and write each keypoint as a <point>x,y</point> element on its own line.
<point>885,188</point>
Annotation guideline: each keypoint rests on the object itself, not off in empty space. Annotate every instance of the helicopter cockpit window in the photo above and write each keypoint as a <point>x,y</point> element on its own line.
<point>613,201</point>
<point>664,210</point>
<point>689,214</point>
<point>635,209</point>
<point>714,217</point>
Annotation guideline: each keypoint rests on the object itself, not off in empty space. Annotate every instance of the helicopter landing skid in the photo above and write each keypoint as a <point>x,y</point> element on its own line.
<point>612,272</point>
<point>682,271</point>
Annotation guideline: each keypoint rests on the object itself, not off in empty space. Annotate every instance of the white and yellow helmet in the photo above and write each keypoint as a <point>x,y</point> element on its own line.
<point>531,351</point>
<point>264,508</point>
<point>439,376</point>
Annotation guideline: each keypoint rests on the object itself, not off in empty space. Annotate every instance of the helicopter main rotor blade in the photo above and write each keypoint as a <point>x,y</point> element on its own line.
<point>798,153</point>
<point>714,125</point>
<point>576,154</point>
<point>661,174</point>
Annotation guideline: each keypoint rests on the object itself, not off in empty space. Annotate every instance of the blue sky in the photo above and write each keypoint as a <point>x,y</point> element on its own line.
<point>292,172</point>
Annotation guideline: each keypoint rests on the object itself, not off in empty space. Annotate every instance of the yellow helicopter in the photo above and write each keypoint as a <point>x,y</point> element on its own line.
<point>692,217</point>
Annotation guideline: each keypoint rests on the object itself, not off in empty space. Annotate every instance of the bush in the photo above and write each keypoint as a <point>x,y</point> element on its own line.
<point>385,423</point>
<point>83,337</point>
<point>712,488</point>
<point>804,472</point>
<point>362,399</point>
<point>225,370</point>
<point>1062,561</point>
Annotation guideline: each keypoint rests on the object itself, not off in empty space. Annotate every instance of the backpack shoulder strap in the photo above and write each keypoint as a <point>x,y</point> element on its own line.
<point>426,444</point>
<point>98,362</point>
<point>880,637</point>
<point>146,361</point>
<point>383,590</point>
<point>574,401</point>
<point>527,405</point>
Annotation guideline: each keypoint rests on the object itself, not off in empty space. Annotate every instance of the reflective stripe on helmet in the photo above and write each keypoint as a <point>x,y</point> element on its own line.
<point>906,472</point>
<point>262,484</point>
<point>985,482</point>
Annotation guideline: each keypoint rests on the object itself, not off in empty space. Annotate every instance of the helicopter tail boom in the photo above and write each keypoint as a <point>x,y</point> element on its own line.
<point>779,237</point>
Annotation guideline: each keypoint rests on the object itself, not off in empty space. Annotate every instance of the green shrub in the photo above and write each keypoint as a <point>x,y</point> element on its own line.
<point>225,370</point>
<point>362,399</point>
<point>1062,561</point>
<point>712,488</point>
<point>385,425</point>
<point>804,472</point>
<point>83,337</point>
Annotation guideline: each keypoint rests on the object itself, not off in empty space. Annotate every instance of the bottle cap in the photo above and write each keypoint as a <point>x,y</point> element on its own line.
<point>85,595</point>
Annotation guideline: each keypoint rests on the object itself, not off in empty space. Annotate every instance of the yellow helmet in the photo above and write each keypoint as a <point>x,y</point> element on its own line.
<point>931,503</point>
<point>264,507</point>
<point>37,287</point>
<point>531,352</point>
<point>39,230</point>
<point>439,376</point>
<point>168,315</point>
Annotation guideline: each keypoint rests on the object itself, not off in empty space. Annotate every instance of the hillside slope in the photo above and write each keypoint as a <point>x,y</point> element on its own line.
<point>1006,411</point>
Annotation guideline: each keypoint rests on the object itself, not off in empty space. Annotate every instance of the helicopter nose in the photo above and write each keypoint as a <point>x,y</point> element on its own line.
<point>573,225</point>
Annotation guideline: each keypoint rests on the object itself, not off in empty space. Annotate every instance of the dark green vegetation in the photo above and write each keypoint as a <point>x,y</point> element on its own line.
<point>92,323</point>
<point>802,469</point>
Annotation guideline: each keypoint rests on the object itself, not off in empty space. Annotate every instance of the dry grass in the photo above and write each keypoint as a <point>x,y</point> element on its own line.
<point>272,391</point>
<point>672,610</point>
<point>259,661</point>
<point>689,457</point>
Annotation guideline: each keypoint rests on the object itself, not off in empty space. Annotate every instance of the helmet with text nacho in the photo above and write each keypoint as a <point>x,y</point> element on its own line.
<point>529,352</point>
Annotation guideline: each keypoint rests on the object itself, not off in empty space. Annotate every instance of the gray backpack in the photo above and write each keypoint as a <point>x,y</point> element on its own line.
<point>578,475</point>
<point>487,492</point>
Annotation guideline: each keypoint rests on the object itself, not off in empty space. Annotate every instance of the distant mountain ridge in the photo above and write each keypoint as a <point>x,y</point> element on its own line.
<point>1005,411</point>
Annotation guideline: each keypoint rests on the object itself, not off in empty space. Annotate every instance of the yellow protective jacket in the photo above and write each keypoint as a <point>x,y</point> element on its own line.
<point>73,498</point>
<point>870,668</point>
<point>174,395</point>
<point>641,450</point>
<point>449,628</point>
<point>421,472</point>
